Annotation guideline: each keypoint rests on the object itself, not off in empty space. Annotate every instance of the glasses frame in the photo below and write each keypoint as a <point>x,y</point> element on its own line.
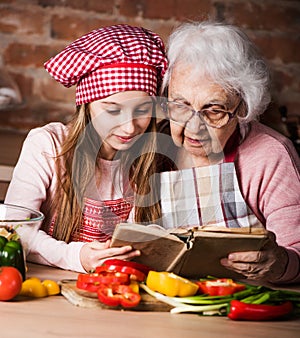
<point>199,113</point>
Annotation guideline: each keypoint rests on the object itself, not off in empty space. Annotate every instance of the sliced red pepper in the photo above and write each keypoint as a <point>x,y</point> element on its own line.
<point>220,287</point>
<point>257,312</point>
<point>115,295</point>
<point>133,273</point>
<point>104,277</point>
<point>92,281</point>
<point>87,286</point>
<point>138,266</point>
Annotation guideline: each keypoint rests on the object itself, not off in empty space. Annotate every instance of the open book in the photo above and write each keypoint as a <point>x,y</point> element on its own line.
<point>192,253</point>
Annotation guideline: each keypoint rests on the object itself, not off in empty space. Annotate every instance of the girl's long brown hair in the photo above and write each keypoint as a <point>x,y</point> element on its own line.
<point>75,167</point>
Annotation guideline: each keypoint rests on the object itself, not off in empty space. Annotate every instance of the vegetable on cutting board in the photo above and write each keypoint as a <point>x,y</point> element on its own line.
<point>131,272</point>
<point>116,282</point>
<point>219,287</point>
<point>92,281</point>
<point>251,303</point>
<point>170,284</point>
<point>138,266</point>
<point>118,294</point>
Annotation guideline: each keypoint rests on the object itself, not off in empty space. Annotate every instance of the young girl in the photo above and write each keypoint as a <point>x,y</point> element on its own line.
<point>83,175</point>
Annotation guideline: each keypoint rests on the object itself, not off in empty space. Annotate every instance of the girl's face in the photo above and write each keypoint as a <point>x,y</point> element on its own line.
<point>198,139</point>
<point>120,119</point>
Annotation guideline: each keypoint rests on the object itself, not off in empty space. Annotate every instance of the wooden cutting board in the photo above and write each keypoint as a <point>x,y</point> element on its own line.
<point>86,299</point>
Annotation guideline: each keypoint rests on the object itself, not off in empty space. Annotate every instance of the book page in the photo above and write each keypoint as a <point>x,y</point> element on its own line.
<point>159,248</point>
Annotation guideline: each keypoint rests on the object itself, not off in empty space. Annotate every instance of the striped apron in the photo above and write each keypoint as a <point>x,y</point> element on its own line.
<point>205,196</point>
<point>99,219</point>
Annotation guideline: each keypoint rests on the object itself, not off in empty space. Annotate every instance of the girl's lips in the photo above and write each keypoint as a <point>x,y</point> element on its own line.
<point>125,139</point>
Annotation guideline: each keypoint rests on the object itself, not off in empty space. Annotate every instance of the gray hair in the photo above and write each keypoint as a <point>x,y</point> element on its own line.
<point>226,54</point>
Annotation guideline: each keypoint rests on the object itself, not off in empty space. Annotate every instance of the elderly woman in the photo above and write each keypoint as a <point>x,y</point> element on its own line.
<point>232,171</point>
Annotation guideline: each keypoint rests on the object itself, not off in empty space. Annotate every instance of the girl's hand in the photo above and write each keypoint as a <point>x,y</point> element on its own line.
<point>268,264</point>
<point>94,253</point>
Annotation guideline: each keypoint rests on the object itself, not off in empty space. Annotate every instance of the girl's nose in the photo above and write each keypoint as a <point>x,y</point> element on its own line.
<point>128,126</point>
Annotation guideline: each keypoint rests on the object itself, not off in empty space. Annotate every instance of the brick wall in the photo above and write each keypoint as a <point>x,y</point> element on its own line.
<point>31,31</point>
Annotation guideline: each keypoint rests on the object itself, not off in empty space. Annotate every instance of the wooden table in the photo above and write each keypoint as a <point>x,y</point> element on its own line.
<point>55,317</point>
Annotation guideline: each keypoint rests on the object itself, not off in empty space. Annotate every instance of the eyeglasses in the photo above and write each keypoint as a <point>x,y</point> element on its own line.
<point>213,117</point>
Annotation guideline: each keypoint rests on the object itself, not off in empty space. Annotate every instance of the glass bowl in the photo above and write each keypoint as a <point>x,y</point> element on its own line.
<point>12,251</point>
<point>13,216</point>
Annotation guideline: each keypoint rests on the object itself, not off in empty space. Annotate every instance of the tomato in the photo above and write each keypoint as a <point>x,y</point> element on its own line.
<point>10,282</point>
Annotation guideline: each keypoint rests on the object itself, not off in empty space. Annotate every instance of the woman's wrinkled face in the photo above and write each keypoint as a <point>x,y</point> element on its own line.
<point>120,120</point>
<point>198,92</point>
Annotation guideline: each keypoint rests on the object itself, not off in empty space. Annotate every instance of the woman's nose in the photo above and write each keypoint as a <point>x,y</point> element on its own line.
<point>195,123</point>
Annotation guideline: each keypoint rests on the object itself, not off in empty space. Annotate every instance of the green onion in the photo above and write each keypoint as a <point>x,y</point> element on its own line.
<point>212,305</point>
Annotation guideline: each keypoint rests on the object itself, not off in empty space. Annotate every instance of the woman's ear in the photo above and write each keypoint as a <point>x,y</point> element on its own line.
<point>242,109</point>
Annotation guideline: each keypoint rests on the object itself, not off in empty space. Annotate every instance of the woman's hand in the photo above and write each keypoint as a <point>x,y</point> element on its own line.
<point>268,264</point>
<point>94,253</point>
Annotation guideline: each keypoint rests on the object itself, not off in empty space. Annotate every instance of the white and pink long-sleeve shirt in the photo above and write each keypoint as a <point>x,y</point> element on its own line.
<point>33,185</point>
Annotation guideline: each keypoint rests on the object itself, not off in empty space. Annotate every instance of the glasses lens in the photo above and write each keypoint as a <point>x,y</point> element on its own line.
<point>182,113</point>
<point>215,118</point>
<point>179,112</point>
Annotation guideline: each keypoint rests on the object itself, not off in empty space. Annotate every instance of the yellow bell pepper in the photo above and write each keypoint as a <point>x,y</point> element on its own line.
<point>170,284</point>
<point>34,287</point>
<point>134,286</point>
<point>52,287</point>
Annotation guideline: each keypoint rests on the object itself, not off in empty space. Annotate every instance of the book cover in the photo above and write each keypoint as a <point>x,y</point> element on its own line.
<point>192,253</point>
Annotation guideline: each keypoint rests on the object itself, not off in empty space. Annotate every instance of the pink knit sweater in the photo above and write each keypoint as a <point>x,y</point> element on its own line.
<point>268,169</point>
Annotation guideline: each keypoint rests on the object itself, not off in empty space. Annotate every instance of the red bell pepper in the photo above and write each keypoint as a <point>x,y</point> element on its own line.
<point>138,266</point>
<point>219,287</point>
<point>256,312</point>
<point>92,281</point>
<point>133,273</point>
<point>115,295</point>
<point>87,286</point>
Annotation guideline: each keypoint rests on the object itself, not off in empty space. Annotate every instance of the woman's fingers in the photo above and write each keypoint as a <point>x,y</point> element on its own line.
<point>268,264</point>
<point>247,256</point>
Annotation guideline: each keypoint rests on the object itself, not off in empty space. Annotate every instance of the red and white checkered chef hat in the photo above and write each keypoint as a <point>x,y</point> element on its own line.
<point>109,60</point>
